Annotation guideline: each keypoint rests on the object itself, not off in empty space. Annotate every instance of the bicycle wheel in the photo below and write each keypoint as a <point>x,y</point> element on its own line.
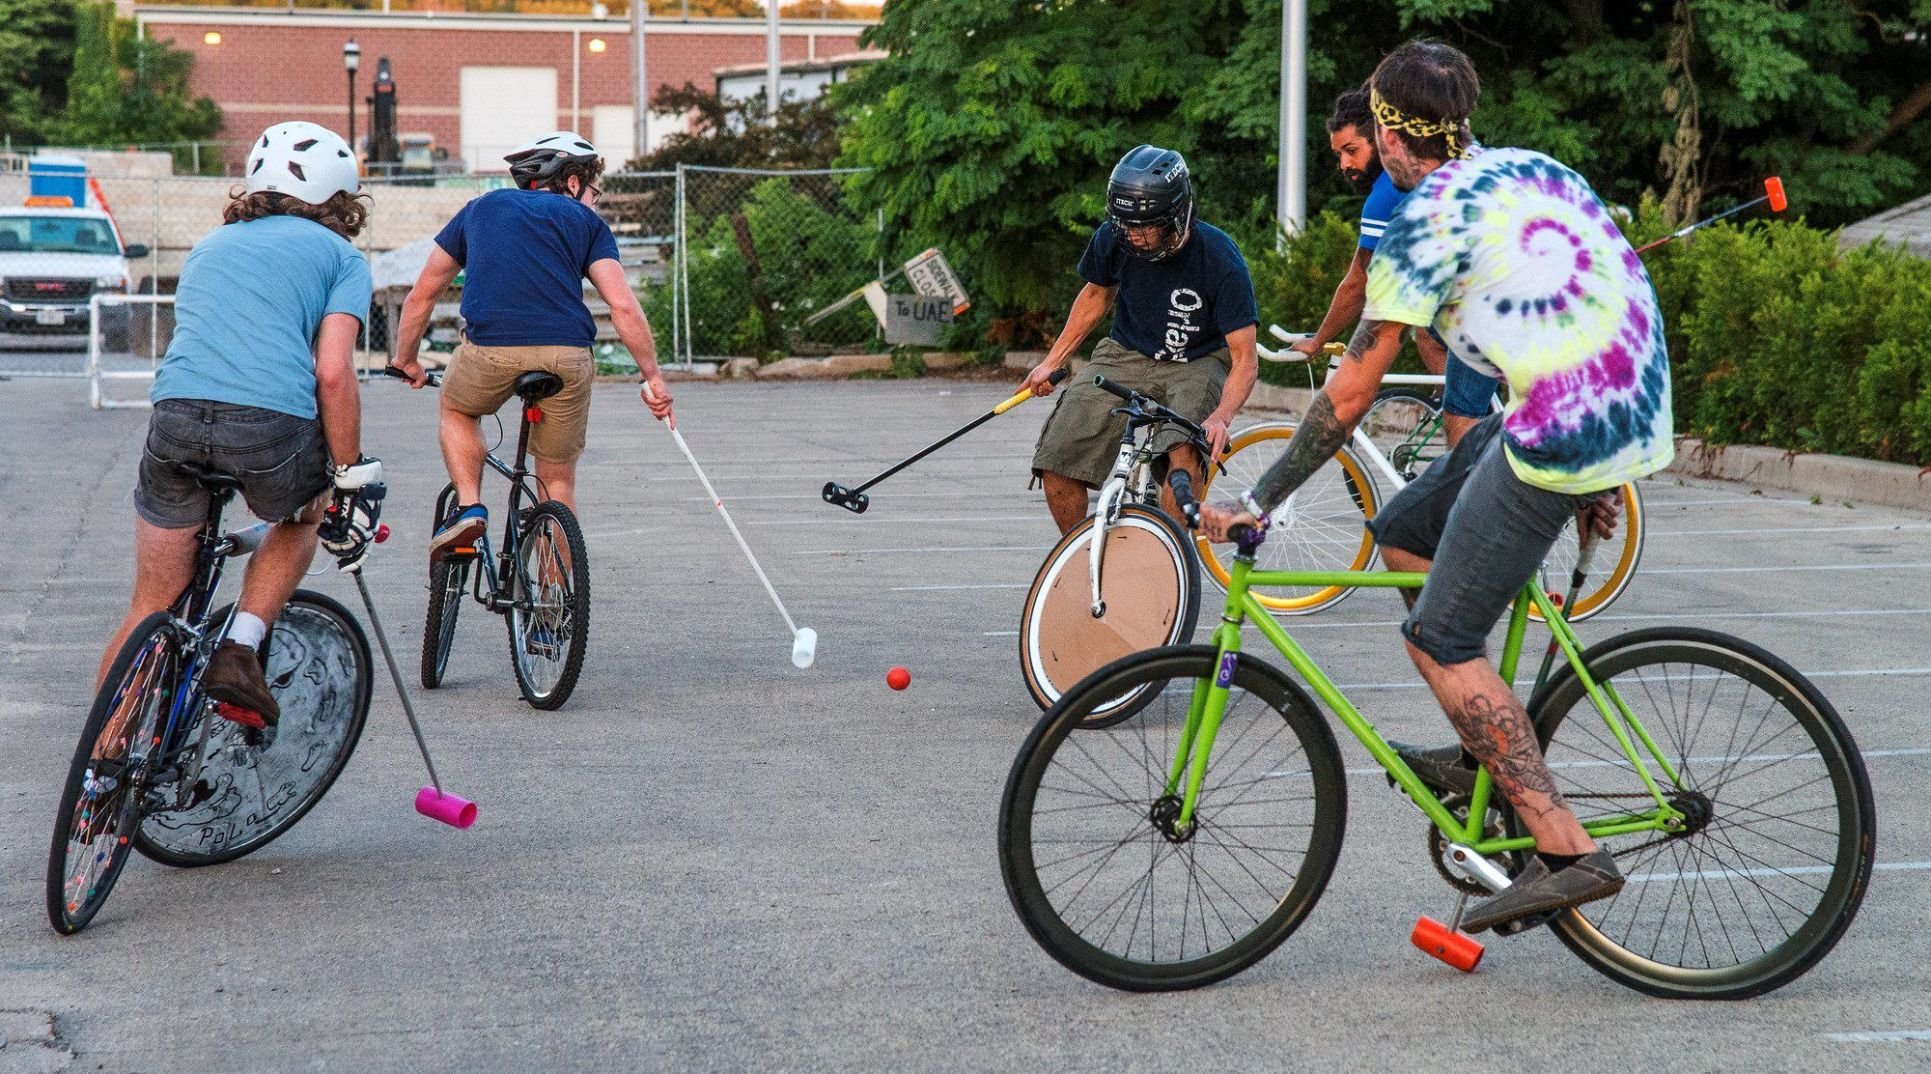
<point>1094,862</point>
<point>1777,853</point>
<point>448,583</point>
<point>1611,568</point>
<point>1405,424</point>
<point>550,620</point>
<point>248,793</point>
<point>1150,587</point>
<point>100,805</point>
<point>1322,527</point>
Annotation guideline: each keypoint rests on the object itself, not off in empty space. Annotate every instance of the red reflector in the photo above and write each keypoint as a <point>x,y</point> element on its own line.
<point>533,414</point>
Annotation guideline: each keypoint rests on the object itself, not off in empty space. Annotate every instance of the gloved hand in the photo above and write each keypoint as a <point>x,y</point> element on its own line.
<point>363,471</point>
<point>352,521</point>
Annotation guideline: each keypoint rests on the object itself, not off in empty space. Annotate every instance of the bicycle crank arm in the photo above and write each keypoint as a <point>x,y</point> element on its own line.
<point>1474,868</point>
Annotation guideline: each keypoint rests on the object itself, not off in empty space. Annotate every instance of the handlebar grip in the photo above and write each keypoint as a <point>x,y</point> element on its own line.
<point>434,378</point>
<point>1181,483</point>
<point>1057,376</point>
<point>1241,534</point>
<point>1105,385</point>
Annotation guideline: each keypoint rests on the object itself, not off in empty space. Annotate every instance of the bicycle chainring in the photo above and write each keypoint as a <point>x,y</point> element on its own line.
<point>1438,848</point>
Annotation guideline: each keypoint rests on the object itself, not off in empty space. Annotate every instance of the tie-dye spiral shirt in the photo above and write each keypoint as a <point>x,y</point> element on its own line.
<point>1513,259</point>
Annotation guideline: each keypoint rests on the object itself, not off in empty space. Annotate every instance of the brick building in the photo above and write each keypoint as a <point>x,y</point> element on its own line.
<point>479,84</point>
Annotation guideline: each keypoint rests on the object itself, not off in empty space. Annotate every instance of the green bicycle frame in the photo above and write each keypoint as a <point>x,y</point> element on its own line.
<point>1209,706</point>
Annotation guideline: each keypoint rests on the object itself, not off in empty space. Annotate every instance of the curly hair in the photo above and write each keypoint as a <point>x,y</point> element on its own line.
<point>1351,110</point>
<point>344,213</point>
<point>586,174</point>
<point>1435,87</point>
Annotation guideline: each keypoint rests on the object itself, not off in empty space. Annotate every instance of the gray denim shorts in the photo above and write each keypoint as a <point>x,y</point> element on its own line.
<point>1487,532</point>
<point>282,461</point>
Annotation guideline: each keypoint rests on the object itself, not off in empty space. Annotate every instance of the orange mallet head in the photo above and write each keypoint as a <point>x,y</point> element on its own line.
<point>1773,189</point>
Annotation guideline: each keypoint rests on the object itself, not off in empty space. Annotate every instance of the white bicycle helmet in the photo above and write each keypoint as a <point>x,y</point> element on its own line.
<point>536,162</point>
<point>302,160</point>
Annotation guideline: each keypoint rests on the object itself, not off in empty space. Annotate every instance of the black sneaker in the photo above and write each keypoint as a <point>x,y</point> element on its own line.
<point>1538,892</point>
<point>1442,768</point>
<point>234,676</point>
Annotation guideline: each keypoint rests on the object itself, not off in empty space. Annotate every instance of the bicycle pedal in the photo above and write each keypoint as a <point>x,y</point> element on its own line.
<point>1523,924</point>
<point>1458,949</point>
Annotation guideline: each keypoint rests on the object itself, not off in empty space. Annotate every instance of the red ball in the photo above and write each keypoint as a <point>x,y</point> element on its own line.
<point>898,678</point>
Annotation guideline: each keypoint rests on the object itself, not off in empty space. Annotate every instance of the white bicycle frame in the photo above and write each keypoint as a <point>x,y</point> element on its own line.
<point>1112,497</point>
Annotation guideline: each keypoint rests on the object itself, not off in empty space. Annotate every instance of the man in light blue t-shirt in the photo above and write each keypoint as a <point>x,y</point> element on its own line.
<point>258,384</point>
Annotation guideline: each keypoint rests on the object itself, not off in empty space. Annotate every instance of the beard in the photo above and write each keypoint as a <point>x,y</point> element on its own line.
<point>1363,179</point>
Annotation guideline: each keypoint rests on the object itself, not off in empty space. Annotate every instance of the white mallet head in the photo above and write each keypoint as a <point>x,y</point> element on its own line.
<point>804,647</point>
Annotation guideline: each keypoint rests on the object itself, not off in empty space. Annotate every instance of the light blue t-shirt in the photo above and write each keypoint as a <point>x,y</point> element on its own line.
<point>252,297</point>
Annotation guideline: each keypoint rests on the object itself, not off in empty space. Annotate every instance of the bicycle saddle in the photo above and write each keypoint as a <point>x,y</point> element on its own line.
<point>538,384</point>
<point>211,479</point>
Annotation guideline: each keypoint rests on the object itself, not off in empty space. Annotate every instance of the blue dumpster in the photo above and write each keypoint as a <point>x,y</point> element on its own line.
<point>49,175</point>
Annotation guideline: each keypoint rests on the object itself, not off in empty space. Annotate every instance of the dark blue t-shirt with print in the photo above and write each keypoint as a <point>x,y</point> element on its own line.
<point>1180,308</point>
<point>525,254</point>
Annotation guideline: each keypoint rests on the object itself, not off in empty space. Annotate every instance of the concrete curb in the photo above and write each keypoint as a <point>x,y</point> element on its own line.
<point>1830,477</point>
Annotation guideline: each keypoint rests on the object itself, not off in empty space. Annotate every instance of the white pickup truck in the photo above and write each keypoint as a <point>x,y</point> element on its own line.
<point>52,260</point>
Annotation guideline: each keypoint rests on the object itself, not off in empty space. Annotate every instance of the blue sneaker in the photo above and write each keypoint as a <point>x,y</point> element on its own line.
<point>458,536</point>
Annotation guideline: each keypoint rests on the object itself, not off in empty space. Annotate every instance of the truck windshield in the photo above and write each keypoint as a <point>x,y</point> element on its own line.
<point>56,235</point>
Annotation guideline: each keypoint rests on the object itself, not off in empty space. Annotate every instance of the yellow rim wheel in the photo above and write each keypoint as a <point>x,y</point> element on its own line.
<point>1321,527</point>
<point>1611,568</point>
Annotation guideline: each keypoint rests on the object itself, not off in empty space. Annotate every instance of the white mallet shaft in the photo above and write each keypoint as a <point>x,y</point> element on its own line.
<point>804,643</point>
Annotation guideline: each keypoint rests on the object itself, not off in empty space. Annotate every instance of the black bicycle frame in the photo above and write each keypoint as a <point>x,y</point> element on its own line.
<point>518,475</point>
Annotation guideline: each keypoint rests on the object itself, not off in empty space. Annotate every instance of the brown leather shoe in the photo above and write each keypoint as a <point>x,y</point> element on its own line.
<point>234,675</point>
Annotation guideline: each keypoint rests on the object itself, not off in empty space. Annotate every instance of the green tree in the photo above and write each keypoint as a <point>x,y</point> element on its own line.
<point>36,51</point>
<point>125,90</point>
<point>992,123</point>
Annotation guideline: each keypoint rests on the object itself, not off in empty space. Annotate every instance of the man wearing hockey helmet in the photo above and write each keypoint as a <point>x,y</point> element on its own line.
<point>1183,332</point>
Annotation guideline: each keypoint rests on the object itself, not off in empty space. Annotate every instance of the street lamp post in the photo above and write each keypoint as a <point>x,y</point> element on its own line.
<point>351,59</point>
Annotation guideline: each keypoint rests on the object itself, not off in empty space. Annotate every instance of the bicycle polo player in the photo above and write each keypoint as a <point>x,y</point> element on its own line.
<point>1467,393</point>
<point>258,383</point>
<point>1183,332</point>
<point>527,252</point>
<point>1514,260</point>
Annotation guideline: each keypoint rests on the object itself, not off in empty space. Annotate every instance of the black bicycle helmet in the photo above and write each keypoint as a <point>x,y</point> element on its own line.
<point>1150,188</point>
<point>536,163</point>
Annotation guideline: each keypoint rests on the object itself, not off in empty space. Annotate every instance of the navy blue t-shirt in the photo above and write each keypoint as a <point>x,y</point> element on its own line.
<point>525,253</point>
<point>1180,308</point>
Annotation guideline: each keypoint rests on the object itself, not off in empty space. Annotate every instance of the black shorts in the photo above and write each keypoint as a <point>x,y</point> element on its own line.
<point>282,461</point>
<point>1487,532</point>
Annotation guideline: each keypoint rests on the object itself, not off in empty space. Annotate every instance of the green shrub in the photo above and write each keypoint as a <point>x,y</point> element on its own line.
<point>1778,337</point>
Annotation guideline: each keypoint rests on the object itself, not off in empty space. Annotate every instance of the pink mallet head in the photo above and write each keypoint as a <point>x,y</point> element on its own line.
<point>451,810</point>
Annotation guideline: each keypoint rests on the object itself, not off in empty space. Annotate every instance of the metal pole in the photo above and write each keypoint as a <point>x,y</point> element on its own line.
<point>352,149</point>
<point>640,87</point>
<point>1291,187</point>
<point>771,60</point>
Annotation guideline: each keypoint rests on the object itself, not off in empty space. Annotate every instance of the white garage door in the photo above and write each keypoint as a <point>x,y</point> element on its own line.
<point>503,107</point>
<point>612,128</point>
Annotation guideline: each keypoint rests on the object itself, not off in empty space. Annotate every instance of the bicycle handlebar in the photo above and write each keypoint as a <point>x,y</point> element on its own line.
<point>434,377</point>
<point>1145,405</point>
<point>1181,483</point>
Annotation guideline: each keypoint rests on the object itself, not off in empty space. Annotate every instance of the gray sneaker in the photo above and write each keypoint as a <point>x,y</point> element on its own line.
<point>1442,768</point>
<point>1538,891</point>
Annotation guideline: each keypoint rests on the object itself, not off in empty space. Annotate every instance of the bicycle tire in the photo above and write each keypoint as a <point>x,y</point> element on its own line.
<point>448,585</point>
<point>1621,556</point>
<point>317,662</point>
<point>548,684</point>
<point>1585,759</point>
<point>1150,582</point>
<point>1323,526</point>
<point>1027,829</point>
<point>1404,423</point>
<point>148,665</point>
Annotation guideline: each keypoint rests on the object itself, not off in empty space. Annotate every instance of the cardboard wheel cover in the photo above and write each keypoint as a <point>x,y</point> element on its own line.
<point>1143,592</point>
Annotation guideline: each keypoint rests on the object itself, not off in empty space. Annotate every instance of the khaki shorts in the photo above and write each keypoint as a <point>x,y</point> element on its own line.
<point>1082,438</point>
<point>481,379</point>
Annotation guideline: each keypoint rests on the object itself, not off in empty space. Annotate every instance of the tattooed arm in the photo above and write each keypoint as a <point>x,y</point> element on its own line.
<point>1331,416</point>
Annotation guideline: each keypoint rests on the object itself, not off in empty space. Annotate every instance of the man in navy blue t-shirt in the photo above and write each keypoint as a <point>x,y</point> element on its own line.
<point>1183,332</point>
<point>526,253</point>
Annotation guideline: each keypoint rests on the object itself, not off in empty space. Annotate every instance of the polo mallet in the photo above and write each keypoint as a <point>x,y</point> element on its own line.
<point>431,801</point>
<point>804,640</point>
<point>1772,193</point>
<point>1585,551</point>
<point>855,500</point>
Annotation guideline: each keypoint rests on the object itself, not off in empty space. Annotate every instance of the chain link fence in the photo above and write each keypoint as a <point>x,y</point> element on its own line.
<point>760,252</point>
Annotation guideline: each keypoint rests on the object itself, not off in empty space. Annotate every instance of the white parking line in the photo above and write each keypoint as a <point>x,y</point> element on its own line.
<point>1789,529</point>
<point>1667,617</point>
<point>935,588</point>
<point>1879,1036</point>
<point>1795,870</point>
<point>948,548</point>
<point>1866,754</point>
<point>920,520</point>
<point>1792,570</point>
<point>1871,673</point>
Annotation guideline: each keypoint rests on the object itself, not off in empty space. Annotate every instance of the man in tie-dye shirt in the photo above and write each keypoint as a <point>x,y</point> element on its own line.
<point>1513,259</point>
